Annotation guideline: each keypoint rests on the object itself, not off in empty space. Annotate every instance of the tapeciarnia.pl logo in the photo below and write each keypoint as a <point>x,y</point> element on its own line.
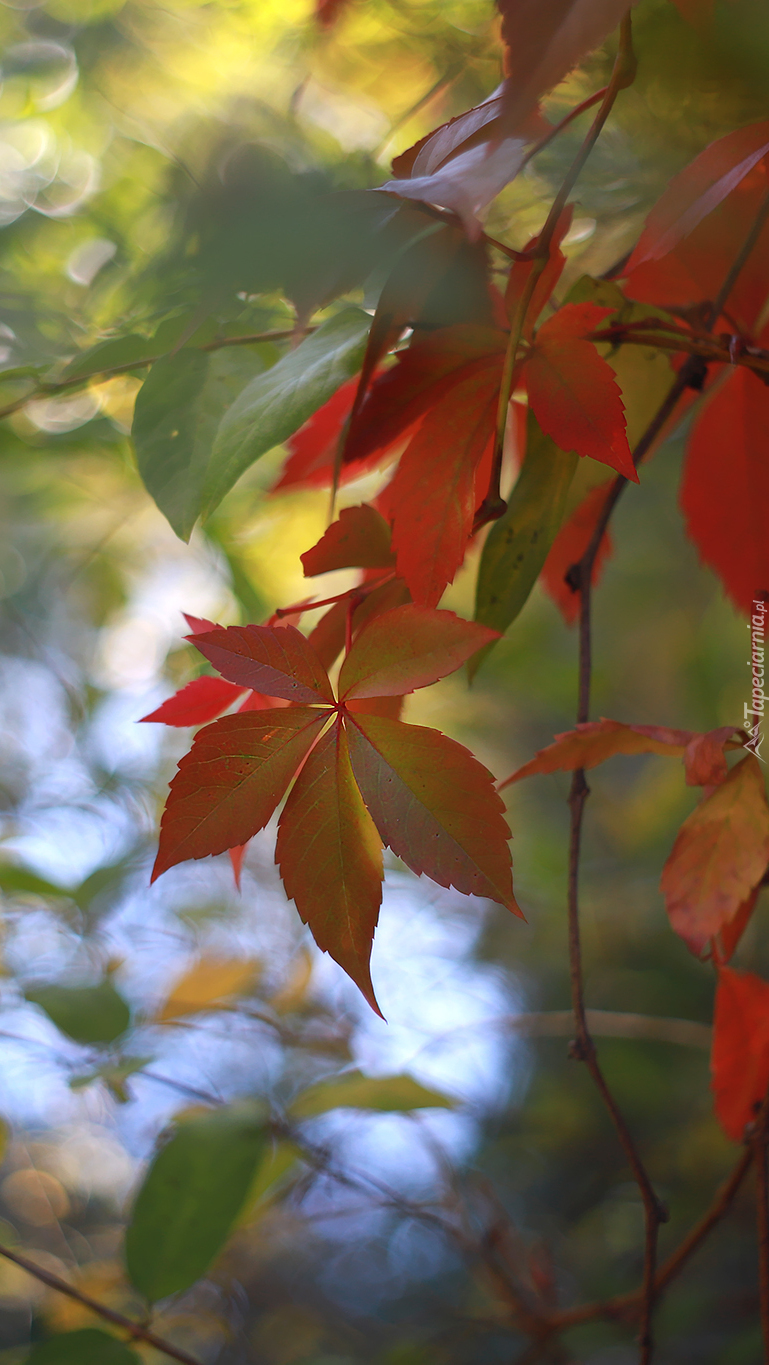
<point>754,709</point>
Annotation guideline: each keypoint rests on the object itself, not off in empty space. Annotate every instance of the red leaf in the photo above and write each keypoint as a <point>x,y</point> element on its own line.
<point>434,805</point>
<point>423,374</point>
<point>201,700</point>
<point>257,701</point>
<point>432,496</point>
<point>720,855</point>
<point>327,12</point>
<point>521,270</point>
<point>230,782</point>
<point>313,448</point>
<point>568,548</point>
<point>544,39</point>
<point>199,624</point>
<point>359,539</point>
<point>704,757</point>
<point>730,934</point>
<point>408,648</point>
<point>276,660</point>
<point>725,486</point>
<point>698,189</point>
<point>694,271</point>
<point>330,858</point>
<point>328,637</point>
<point>594,741</point>
<point>740,1058</point>
<point>574,393</point>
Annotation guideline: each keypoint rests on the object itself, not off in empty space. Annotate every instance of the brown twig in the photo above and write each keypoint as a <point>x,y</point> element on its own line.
<point>135,1330</point>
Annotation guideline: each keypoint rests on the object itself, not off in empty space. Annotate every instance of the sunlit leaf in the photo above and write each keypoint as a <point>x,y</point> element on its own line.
<point>210,982</point>
<point>353,1090</point>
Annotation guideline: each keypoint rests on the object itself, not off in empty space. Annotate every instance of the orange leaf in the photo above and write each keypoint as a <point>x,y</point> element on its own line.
<point>720,855</point>
<point>358,539</point>
<point>230,782</point>
<point>543,289</point>
<point>740,1058</point>
<point>330,858</point>
<point>596,740</point>
<point>434,805</point>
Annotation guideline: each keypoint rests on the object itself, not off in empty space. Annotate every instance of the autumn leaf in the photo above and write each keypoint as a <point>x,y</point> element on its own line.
<point>313,448</point>
<point>725,487</point>
<point>698,189</point>
<point>434,806</point>
<point>276,660</point>
<point>199,701</point>
<point>592,742</point>
<point>719,857</point>
<point>544,40</point>
<point>422,794</point>
<point>432,499</point>
<point>740,1057</point>
<point>690,275</point>
<point>573,391</point>
<point>568,548</point>
<point>230,782</point>
<point>408,648</point>
<point>207,984</point>
<point>421,377</point>
<point>330,858</point>
<point>359,539</point>
<point>543,289</point>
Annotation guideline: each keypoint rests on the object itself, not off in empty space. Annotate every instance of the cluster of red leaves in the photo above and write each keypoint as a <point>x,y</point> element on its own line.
<point>710,881</point>
<point>360,779</point>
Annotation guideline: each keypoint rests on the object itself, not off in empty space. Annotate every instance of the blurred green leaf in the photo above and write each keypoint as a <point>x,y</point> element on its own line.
<point>277,403</point>
<point>110,355</point>
<point>89,1014</point>
<point>114,1076</point>
<point>388,1094</point>
<point>517,545</point>
<point>88,1346</point>
<point>20,879</point>
<point>191,1198</point>
<point>177,413</point>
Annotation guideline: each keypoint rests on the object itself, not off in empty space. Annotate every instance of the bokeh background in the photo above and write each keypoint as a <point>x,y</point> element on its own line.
<point>152,156</point>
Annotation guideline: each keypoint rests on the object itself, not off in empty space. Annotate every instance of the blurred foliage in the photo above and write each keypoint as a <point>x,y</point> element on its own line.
<point>166,169</point>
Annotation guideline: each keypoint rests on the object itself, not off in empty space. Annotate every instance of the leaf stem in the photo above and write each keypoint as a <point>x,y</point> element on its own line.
<point>134,1330</point>
<point>494,505</point>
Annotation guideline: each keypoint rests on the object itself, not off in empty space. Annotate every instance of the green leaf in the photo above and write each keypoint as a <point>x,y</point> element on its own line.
<point>89,1014</point>
<point>191,1198</point>
<point>517,545</point>
<point>88,1346</point>
<point>111,355</point>
<point>388,1094</point>
<point>277,403</point>
<point>19,879</point>
<point>114,1075</point>
<point>177,412</point>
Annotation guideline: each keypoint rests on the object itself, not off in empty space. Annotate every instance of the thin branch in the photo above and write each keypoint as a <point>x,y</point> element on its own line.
<point>135,1330</point>
<point>615,1024</point>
